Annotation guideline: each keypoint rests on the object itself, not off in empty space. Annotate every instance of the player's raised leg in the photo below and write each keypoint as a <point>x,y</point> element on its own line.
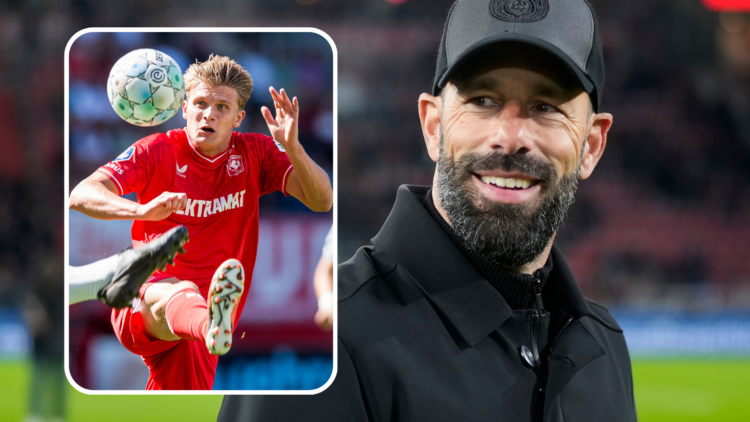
<point>117,279</point>
<point>174,309</point>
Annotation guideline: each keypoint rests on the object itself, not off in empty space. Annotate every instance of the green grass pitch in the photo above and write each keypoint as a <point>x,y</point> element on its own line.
<point>665,390</point>
<point>14,390</point>
<point>692,390</point>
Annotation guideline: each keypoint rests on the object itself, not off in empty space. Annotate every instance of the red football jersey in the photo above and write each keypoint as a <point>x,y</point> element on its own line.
<point>222,206</point>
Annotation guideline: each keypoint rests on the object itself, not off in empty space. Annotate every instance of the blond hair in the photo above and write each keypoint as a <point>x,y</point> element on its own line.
<point>221,71</point>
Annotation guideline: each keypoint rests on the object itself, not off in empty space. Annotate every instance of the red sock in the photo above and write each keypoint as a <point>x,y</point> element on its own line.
<point>187,315</point>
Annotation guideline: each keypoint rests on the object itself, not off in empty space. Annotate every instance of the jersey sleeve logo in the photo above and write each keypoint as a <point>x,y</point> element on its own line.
<point>279,146</point>
<point>126,155</point>
<point>234,165</point>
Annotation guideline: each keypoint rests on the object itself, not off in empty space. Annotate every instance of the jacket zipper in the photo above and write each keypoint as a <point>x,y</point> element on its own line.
<point>538,291</point>
<point>536,316</point>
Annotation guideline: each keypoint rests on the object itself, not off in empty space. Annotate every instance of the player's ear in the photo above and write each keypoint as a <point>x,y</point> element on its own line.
<point>240,116</point>
<point>429,115</point>
<point>595,143</point>
<point>184,109</point>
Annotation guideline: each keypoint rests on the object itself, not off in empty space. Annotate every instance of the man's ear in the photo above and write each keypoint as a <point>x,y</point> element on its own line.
<point>184,109</point>
<point>429,114</point>
<point>595,143</point>
<point>240,116</point>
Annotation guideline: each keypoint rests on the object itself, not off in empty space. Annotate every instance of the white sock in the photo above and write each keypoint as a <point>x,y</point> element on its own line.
<point>86,281</point>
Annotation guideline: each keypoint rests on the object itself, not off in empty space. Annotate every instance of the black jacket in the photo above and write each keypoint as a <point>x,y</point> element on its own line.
<point>423,337</point>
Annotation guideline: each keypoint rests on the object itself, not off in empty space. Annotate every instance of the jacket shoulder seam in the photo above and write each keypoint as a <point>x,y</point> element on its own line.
<point>350,294</point>
<point>601,321</point>
<point>377,274</point>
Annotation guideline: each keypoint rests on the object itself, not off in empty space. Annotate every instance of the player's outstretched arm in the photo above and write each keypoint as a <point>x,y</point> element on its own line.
<point>307,181</point>
<point>96,196</point>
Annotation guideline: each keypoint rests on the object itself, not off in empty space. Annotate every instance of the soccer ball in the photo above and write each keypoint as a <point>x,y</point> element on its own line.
<point>145,87</point>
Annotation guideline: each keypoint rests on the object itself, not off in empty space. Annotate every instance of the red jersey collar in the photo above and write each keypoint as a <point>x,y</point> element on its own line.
<point>202,155</point>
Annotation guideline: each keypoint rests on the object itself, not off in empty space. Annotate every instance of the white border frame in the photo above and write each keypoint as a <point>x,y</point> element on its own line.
<point>67,217</point>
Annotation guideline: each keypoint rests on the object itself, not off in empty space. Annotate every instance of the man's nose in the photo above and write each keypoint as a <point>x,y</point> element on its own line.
<point>209,113</point>
<point>512,134</point>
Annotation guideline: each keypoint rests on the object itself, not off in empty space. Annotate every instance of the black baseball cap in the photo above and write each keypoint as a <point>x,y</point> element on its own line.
<point>567,29</point>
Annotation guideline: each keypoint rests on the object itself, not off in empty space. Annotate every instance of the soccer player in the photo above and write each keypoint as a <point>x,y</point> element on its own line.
<point>208,178</point>
<point>116,280</point>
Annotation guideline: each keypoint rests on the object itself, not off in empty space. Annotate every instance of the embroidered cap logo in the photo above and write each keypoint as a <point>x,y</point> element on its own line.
<point>519,10</point>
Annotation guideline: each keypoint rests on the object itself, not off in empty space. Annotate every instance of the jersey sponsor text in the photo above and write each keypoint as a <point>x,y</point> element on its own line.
<point>114,167</point>
<point>201,208</point>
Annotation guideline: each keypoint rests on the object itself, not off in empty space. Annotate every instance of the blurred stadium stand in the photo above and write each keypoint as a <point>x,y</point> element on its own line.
<point>663,220</point>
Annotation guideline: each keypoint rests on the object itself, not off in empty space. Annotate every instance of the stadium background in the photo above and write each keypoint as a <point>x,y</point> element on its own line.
<point>659,234</point>
<point>281,347</point>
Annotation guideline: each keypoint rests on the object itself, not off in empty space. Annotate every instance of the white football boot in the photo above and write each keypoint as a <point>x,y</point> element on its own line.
<point>223,297</point>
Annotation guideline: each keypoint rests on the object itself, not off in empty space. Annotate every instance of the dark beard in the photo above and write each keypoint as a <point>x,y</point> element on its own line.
<point>509,235</point>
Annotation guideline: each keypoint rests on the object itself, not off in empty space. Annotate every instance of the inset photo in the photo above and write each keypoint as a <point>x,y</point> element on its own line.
<point>200,221</point>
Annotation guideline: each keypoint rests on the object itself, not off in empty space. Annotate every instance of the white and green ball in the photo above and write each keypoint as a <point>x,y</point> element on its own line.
<point>145,87</point>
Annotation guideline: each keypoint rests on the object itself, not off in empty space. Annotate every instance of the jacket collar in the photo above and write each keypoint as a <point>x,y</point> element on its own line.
<point>413,238</point>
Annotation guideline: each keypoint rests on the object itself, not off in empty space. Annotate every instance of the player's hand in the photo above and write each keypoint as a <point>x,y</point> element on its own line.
<point>284,127</point>
<point>162,206</point>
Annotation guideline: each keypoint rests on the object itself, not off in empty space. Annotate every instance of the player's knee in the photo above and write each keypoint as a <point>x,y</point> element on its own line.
<point>165,293</point>
<point>182,285</point>
<point>174,289</point>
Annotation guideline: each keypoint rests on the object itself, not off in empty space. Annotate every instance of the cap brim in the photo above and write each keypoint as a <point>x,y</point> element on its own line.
<point>580,75</point>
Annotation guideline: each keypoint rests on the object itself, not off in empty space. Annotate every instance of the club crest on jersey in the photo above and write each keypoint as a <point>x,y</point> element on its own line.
<point>234,165</point>
<point>126,155</point>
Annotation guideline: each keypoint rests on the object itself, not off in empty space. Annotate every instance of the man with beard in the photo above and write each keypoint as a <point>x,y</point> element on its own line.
<point>463,309</point>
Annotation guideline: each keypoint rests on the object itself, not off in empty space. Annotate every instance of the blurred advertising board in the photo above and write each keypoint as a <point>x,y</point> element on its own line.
<point>673,334</point>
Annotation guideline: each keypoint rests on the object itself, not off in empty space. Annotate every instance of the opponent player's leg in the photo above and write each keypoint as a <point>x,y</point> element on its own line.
<point>87,281</point>
<point>117,279</point>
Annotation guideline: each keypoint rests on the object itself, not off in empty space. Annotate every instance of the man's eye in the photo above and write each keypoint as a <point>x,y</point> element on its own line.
<point>482,101</point>
<point>545,108</point>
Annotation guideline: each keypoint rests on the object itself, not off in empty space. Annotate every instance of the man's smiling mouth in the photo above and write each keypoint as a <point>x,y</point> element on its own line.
<point>509,182</point>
